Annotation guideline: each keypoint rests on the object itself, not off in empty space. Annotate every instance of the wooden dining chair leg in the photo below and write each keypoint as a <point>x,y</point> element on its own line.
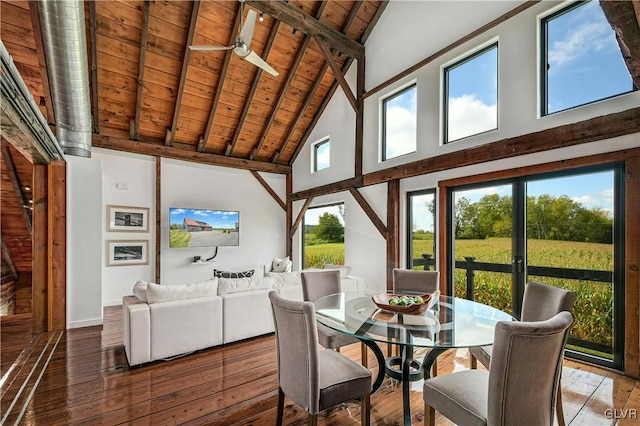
<point>364,356</point>
<point>473,362</point>
<point>280,407</point>
<point>559,410</point>
<point>429,415</point>
<point>365,410</point>
<point>434,368</point>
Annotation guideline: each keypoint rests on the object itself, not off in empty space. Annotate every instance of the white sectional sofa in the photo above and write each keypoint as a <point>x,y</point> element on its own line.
<point>163,321</point>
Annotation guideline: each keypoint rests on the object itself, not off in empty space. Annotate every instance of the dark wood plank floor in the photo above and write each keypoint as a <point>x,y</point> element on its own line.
<point>81,377</point>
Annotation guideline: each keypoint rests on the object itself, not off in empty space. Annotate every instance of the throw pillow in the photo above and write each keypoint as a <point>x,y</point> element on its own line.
<point>165,293</point>
<point>140,290</point>
<point>285,279</point>
<point>281,265</point>
<point>344,270</point>
<point>229,274</point>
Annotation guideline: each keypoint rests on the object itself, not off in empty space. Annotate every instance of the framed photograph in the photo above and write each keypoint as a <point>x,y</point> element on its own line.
<point>127,219</point>
<point>128,252</point>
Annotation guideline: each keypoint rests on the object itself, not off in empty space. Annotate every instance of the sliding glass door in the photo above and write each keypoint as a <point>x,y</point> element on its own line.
<point>563,229</point>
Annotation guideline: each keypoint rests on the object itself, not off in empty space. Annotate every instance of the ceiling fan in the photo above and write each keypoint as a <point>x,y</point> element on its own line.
<point>243,42</point>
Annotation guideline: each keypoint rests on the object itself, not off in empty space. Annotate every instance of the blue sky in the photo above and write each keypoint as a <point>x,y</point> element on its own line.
<point>215,218</point>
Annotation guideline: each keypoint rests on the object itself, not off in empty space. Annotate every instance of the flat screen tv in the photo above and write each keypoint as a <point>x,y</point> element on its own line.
<point>203,228</point>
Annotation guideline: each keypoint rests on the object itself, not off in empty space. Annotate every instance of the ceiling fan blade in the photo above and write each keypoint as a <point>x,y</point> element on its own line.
<point>259,62</point>
<point>210,48</point>
<point>247,29</point>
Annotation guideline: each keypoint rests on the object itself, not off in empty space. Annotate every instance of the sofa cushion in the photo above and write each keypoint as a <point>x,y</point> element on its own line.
<point>229,274</point>
<point>344,270</point>
<point>164,293</point>
<point>140,290</point>
<point>284,279</point>
<point>235,285</point>
<point>281,265</point>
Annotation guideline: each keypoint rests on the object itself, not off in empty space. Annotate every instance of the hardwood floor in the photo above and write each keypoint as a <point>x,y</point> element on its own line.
<point>81,377</point>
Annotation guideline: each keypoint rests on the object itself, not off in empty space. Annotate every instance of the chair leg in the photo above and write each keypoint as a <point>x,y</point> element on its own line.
<point>364,357</point>
<point>312,420</point>
<point>473,362</point>
<point>429,415</point>
<point>365,410</point>
<point>559,410</point>
<point>434,368</point>
<point>280,407</point>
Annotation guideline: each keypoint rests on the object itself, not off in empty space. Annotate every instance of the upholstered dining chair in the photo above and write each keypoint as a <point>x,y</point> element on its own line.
<point>520,387</point>
<point>314,379</point>
<point>540,302</point>
<point>317,284</point>
<point>418,281</point>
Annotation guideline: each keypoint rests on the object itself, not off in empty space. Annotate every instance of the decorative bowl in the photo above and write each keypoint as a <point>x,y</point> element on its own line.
<point>428,300</point>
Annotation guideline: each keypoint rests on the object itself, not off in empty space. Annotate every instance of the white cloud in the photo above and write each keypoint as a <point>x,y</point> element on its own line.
<point>586,39</point>
<point>177,211</point>
<point>468,116</point>
<point>401,131</point>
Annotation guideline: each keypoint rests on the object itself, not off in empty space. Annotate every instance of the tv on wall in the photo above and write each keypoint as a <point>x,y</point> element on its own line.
<point>203,228</point>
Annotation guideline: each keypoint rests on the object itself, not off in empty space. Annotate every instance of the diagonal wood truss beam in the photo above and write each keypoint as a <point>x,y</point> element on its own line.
<point>223,73</point>
<point>624,17</point>
<point>6,255</point>
<point>302,48</point>
<point>305,104</point>
<point>300,216</point>
<point>366,207</point>
<point>294,17</point>
<point>134,131</point>
<point>270,190</point>
<point>252,90</point>
<point>17,187</point>
<point>171,134</point>
<point>337,73</point>
<point>44,76</point>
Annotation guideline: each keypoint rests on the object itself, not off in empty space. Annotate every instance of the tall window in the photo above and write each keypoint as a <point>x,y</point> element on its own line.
<point>581,61</point>
<point>323,236</point>
<point>471,95</point>
<point>421,220</point>
<point>321,152</point>
<point>399,123</point>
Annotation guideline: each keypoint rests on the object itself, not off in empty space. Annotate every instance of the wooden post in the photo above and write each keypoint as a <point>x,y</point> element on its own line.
<point>393,229</point>
<point>57,246</point>
<point>39,265</point>
<point>289,217</point>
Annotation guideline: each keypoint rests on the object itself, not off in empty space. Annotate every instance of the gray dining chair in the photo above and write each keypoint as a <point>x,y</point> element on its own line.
<point>313,379</point>
<point>417,281</point>
<point>520,387</point>
<point>540,302</point>
<point>317,284</point>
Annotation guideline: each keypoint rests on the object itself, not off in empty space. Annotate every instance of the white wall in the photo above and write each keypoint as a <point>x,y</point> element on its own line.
<point>262,220</point>
<point>136,176</point>
<point>84,242</point>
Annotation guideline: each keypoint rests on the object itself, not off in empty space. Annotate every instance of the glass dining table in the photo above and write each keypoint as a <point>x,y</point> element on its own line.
<point>451,323</point>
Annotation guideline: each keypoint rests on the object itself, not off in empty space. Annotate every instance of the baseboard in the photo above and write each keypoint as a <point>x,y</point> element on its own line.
<point>114,302</point>
<point>85,323</point>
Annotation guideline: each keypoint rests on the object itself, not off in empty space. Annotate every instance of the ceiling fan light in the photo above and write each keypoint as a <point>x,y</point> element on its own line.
<point>261,18</point>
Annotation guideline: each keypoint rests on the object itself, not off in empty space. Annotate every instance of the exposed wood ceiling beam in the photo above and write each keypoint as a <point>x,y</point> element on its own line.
<point>44,76</point>
<point>270,190</point>
<point>223,74</point>
<point>294,17</point>
<point>254,87</point>
<point>591,130</point>
<point>624,17</point>
<point>134,133</point>
<point>337,73</point>
<point>6,255</point>
<point>316,83</point>
<point>158,148</point>
<point>327,98</point>
<point>17,187</point>
<point>285,86</point>
<point>93,64</point>
<point>183,74</point>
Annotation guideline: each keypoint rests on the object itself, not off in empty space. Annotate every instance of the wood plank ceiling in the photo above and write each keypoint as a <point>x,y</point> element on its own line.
<point>152,95</point>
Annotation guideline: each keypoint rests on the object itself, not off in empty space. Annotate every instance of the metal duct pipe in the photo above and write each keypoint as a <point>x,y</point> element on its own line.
<point>64,39</point>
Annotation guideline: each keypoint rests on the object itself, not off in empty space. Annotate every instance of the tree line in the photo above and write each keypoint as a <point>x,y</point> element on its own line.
<point>548,218</point>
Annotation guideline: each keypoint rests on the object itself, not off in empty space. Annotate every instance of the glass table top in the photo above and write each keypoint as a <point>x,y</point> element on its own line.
<point>450,323</point>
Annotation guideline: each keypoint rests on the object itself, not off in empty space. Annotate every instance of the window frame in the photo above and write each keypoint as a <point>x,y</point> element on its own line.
<point>314,154</point>
<point>469,56</point>
<point>302,228</point>
<point>409,224</point>
<point>383,120</point>
<point>543,60</point>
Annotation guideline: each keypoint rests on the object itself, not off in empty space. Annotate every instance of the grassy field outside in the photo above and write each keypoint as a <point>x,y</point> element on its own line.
<point>593,308</point>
